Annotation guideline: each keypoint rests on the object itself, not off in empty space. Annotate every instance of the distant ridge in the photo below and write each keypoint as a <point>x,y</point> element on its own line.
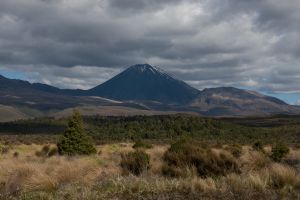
<point>42,98</point>
<point>229,101</point>
<point>9,113</point>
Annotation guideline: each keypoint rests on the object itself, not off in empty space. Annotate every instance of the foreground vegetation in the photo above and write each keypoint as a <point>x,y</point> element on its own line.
<point>172,157</point>
<point>28,175</point>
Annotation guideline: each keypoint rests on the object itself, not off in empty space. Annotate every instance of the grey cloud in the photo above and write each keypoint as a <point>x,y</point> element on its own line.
<point>206,43</point>
<point>274,14</point>
<point>77,77</point>
<point>136,6</point>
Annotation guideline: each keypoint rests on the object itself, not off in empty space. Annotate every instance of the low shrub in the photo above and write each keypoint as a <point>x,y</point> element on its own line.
<point>39,154</point>
<point>235,150</point>
<point>139,144</point>
<point>43,152</point>
<point>47,151</point>
<point>16,154</point>
<point>207,162</point>
<point>279,151</point>
<point>135,162</point>
<point>258,146</point>
<point>173,170</point>
<point>52,152</point>
<point>4,149</point>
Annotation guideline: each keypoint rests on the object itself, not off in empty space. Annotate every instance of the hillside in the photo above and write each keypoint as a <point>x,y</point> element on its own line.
<point>8,113</point>
<point>229,101</point>
<point>113,111</point>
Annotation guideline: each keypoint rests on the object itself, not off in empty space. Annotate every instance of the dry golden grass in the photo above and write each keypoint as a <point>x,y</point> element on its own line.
<point>245,183</point>
<point>254,160</point>
<point>196,185</point>
<point>28,174</point>
<point>282,175</point>
<point>156,158</point>
<point>100,177</point>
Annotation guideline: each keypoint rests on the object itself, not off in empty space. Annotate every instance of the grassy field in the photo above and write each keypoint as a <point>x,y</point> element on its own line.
<point>25,174</point>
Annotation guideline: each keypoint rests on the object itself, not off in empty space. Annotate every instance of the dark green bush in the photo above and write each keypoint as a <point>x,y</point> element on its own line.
<point>258,146</point>
<point>235,150</point>
<point>188,154</point>
<point>279,151</point>
<point>75,141</point>
<point>135,162</point>
<point>140,144</point>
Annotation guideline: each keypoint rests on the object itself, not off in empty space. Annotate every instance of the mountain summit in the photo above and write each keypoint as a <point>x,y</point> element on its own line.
<point>144,82</point>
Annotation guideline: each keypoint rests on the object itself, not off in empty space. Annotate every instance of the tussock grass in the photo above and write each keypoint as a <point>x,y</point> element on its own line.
<point>100,176</point>
<point>282,176</point>
<point>48,175</point>
<point>254,160</point>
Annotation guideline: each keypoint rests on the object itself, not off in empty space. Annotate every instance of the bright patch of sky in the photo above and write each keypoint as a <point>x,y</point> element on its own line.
<point>13,74</point>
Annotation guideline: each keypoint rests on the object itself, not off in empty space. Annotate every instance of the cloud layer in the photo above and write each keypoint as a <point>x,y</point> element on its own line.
<point>208,43</point>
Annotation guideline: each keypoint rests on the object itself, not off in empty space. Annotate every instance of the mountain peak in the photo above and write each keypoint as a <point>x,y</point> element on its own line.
<point>141,66</point>
<point>143,82</point>
<point>146,68</point>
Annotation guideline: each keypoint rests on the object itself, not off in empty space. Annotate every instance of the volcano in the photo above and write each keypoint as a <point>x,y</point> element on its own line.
<point>144,82</point>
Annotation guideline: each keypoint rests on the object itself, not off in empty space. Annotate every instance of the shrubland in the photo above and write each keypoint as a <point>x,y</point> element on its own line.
<point>165,128</point>
<point>162,157</point>
<point>162,172</point>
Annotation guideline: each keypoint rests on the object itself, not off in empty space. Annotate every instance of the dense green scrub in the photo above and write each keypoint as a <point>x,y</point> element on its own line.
<point>167,127</point>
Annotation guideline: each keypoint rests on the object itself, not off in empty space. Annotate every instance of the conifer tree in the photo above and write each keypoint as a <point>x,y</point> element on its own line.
<point>75,141</point>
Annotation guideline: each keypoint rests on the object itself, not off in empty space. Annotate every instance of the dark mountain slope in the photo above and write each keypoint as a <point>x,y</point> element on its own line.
<point>45,98</point>
<point>145,83</point>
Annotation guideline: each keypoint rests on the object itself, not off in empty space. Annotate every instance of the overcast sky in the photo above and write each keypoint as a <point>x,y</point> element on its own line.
<point>252,44</point>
